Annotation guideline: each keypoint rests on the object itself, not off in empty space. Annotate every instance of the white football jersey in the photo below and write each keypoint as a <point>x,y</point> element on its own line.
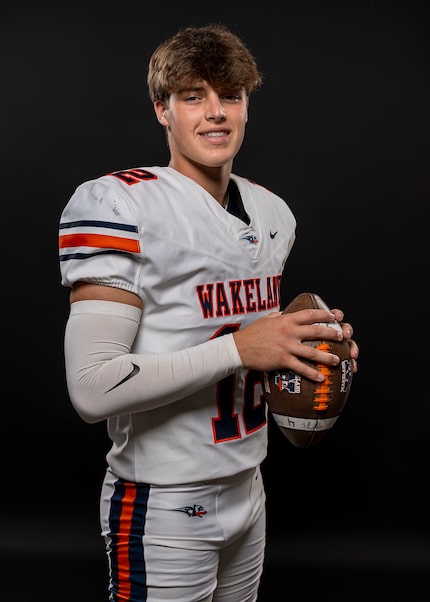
<point>201,272</point>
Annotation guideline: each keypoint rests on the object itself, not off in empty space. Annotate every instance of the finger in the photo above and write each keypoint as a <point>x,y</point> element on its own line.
<point>338,313</point>
<point>311,316</point>
<point>321,331</point>
<point>347,330</point>
<point>311,370</point>
<point>317,356</point>
<point>353,349</point>
<point>310,353</point>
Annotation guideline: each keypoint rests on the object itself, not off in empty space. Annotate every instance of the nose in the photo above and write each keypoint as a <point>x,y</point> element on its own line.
<point>215,109</point>
<point>218,116</point>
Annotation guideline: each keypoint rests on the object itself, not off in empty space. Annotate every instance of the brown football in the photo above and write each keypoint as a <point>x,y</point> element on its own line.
<point>304,410</point>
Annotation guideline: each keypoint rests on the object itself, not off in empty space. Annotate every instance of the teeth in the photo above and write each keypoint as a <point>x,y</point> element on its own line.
<point>216,134</point>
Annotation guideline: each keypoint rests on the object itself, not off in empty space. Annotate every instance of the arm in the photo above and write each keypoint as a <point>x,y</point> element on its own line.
<point>105,379</point>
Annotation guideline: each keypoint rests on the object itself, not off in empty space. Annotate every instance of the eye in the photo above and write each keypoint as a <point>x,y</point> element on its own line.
<point>232,95</point>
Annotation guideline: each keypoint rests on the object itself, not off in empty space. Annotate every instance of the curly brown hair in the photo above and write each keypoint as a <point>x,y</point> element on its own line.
<point>211,53</point>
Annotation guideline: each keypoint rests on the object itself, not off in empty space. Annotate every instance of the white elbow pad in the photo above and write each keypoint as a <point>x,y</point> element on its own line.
<point>104,379</point>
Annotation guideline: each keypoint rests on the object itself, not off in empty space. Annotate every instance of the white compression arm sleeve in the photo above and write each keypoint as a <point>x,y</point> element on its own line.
<point>104,379</point>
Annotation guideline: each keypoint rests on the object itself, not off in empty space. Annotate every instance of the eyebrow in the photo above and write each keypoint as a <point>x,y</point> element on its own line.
<point>201,89</point>
<point>190,88</point>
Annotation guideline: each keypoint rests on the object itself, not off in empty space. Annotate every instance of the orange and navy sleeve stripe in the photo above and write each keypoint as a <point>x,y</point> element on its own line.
<point>127,526</point>
<point>86,238</point>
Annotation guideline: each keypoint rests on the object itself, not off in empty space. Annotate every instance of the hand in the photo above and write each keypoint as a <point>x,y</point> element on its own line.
<point>347,334</point>
<point>277,341</point>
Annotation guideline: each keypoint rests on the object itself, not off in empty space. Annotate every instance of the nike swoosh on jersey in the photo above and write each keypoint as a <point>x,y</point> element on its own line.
<point>273,234</point>
<point>135,370</point>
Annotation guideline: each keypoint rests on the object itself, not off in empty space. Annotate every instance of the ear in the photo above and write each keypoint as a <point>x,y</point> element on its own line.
<point>161,112</point>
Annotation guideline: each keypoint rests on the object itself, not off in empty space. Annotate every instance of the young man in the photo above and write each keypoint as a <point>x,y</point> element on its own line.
<point>175,295</point>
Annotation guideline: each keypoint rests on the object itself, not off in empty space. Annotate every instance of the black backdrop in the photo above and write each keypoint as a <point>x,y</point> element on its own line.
<point>340,129</point>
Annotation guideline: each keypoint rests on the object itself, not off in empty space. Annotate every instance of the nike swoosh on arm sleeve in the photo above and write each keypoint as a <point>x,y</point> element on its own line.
<point>104,379</point>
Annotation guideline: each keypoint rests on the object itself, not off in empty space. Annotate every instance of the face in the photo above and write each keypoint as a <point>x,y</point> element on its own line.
<point>205,127</point>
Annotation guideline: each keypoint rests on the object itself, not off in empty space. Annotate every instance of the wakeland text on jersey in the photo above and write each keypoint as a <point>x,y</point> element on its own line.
<point>238,296</point>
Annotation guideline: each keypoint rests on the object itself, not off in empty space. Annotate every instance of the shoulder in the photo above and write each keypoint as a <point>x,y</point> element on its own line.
<point>113,194</point>
<point>123,180</point>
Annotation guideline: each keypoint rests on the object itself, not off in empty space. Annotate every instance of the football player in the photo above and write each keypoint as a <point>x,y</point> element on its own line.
<point>175,277</point>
